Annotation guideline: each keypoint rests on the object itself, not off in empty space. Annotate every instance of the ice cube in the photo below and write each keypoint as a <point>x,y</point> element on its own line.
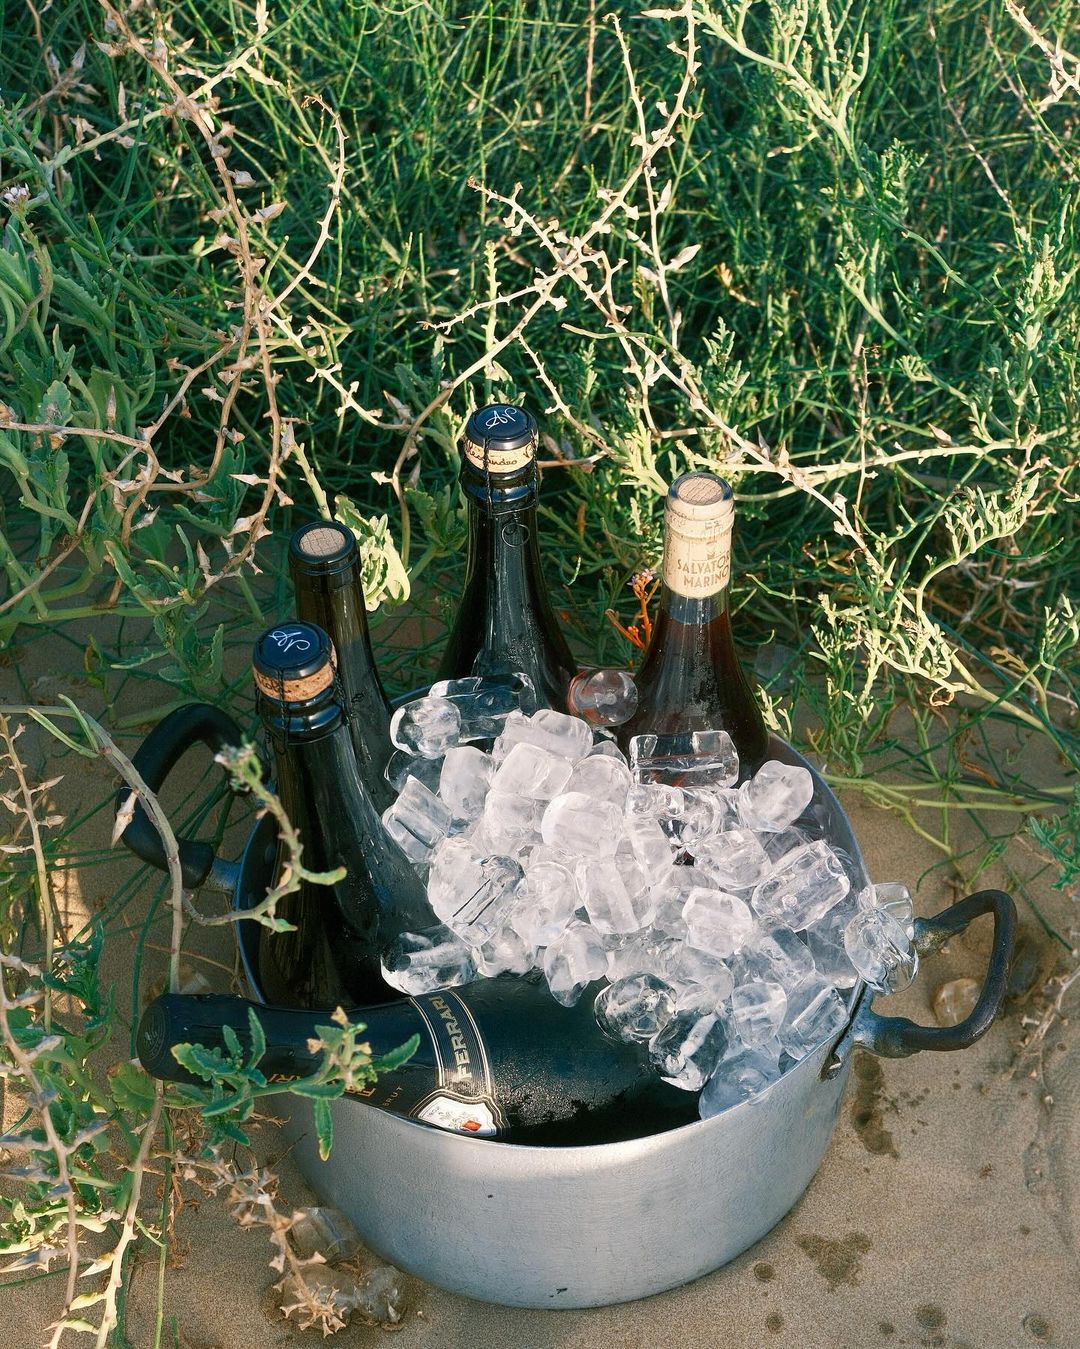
<point>825,942</point>
<point>530,770</point>
<point>717,923</point>
<point>634,1009</point>
<point>422,962</point>
<point>786,841</point>
<point>650,845</point>
<point>464,781</point>
<point>815,1013</point>
<point>615,894</point>
<point>546,902</point>
<point>402,765</point>
<point>639,953</point>
<point>670,892</point>
<point>655,801</point>
<point>485,701</point>
<point>802,888</point>
<point>789,957</point>
<point>895,898</point>
<point>706,813</point>
<point>573,960</point>
<point>602,697</point>
<point>699,979</point>
<point>417,820</point>
<point>601,776</point>
<point>757,1011</point>
<point>693,759</point>
<point>606,748</point>
<point>503,952</point>
<point>688,1048</point>
<point>878,947</point>
<point>578,825</point>
<point>426,726</point>
<point>740,1077</point>
<point>326,1231</point>
<point>472,893</point>
<point>775,796</point>
<point>510,822</point>
<point>554,731</point>
<point>734,860</point>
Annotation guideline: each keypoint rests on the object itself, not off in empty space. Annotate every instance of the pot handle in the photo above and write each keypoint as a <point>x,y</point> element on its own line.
<point>895,1037</point>
<point>154,760</point>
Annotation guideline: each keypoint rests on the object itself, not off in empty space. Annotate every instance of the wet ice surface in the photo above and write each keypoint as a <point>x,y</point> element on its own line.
<point>705,911</point>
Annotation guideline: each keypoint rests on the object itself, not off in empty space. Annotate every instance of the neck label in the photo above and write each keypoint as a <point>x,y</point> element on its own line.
<point>697,556</point>
<point>497,461</point>
<point>463,1098</point>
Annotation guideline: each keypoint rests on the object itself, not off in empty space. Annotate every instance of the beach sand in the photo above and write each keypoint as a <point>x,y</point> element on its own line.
<point>945,1212</point>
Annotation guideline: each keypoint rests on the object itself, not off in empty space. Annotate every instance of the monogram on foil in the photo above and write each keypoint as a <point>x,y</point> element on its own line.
<point>500,417</point>
<point>289,641</point>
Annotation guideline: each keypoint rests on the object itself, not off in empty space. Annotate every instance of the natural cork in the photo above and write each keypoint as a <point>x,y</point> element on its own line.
<point>295,690</point>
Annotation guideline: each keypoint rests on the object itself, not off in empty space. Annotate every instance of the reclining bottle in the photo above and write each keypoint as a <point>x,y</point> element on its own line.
<point>505,622</point>
<point>340,929</point>
<point>498,1058</point>
<point>324,564</point>
<point>691,679</point>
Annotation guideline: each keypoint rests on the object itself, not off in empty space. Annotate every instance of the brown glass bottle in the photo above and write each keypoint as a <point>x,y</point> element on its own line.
<point>690,678</point>
<point>324,564</point>
<point>339,930</point>
<point>504,623</point>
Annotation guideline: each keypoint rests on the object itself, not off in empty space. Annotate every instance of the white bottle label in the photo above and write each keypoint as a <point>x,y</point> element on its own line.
<point>463,1117</point>
<point>697,556</point>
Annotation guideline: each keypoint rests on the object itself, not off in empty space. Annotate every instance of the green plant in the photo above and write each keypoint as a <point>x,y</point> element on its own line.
<point>262,259</point>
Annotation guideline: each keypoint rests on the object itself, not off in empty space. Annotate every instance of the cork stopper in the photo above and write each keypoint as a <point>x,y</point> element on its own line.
<point>500,439</point>
<point>293,662</point>
<point>321,546</point>
<point>698,518</point>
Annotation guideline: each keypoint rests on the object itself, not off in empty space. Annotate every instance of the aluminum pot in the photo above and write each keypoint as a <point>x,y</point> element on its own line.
<point>576,1226</point>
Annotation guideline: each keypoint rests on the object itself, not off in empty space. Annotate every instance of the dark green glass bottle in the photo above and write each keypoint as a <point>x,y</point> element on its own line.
<point>324,564</point>
<point>505,623</point>
<point>691,678</point>
<point>498,1058</point>
<point>340,929</point>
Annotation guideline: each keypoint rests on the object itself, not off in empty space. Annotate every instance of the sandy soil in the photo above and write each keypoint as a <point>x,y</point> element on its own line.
<point>944,1214</point>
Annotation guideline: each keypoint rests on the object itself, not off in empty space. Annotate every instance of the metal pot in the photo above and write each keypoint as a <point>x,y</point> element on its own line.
<point>581,1226</point>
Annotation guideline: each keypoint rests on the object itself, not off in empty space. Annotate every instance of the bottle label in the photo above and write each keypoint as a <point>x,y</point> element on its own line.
<point>697,555</point>
<point>463,1099</point>
<point>499,460</point>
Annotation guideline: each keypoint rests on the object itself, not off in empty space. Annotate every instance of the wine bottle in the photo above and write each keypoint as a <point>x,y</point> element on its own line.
<point>341,929</point>
<point>690,678</point>
<point>498,1058</point>
<point>324,564</point>
<point>505,623</point>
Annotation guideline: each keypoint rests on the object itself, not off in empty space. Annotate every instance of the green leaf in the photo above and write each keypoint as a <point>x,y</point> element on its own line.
<point>324,1127</point>
<point>232,1044</point>
<point>258,1038</point>
<point>225,1106</point>
<point>206,1063</point>
<point>132,1088</point>
<point>318,1091</point>
<point>394,1058</point>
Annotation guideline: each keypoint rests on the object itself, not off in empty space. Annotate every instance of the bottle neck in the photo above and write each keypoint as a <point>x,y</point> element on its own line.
<point>502,539</point>
<point>335,602</point>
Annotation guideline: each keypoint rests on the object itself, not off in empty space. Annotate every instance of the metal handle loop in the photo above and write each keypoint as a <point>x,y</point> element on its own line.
<point>896,1037</point>
<point>154,760</point>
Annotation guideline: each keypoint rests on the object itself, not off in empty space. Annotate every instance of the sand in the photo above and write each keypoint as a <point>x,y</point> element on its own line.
<point>944,1213</point>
